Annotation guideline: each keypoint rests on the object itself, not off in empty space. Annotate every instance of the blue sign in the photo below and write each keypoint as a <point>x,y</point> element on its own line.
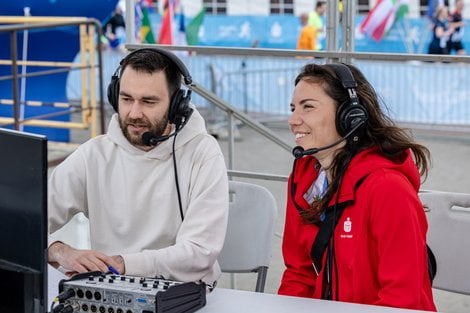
<point>281,31</point>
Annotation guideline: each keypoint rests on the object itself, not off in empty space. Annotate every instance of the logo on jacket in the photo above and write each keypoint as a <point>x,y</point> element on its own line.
<point>347,225</point>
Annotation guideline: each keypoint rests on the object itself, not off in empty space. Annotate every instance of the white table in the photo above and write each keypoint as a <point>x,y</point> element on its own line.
<point>237,301</point>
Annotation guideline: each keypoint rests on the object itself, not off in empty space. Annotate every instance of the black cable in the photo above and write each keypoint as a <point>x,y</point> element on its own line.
<point>176,180</point>
<point>58,308</point>
<point>333,239</point>
<point>67,309</point>
<point>67,294</point>
<point>53,309</point>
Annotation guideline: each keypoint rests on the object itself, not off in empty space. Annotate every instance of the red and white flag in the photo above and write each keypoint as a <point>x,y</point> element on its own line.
<point>166,30</point>
<point>382,17</point>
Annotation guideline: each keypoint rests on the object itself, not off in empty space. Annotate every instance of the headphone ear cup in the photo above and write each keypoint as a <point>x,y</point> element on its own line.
<point>113,92</point>
<point>348,116</point>
<point>179,107</point>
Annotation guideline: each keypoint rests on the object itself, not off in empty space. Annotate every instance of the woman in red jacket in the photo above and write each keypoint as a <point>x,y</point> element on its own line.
<point>355,228</point>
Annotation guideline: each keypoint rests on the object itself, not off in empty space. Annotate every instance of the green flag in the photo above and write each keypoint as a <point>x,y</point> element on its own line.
<point>192,30</point>
<point>146,34</point>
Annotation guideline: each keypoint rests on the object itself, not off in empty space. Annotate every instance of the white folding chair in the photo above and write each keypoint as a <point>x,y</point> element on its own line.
<point>250,232</point>
<point>448,236</point>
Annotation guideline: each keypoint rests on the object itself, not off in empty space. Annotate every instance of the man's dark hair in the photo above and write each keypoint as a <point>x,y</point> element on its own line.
<point>320,3</point>
<point>151,61</point>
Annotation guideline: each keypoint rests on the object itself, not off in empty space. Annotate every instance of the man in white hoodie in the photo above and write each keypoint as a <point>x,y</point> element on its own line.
<point>157,203</point>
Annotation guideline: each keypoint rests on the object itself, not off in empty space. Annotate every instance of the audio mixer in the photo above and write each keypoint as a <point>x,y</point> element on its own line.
<point>96,292</point>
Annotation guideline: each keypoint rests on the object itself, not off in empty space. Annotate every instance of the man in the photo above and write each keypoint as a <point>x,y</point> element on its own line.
<point>114,29</point>
<point>153,211</point>
<point>315,19</point>
<point>456,20</point>
<point>308,34</point>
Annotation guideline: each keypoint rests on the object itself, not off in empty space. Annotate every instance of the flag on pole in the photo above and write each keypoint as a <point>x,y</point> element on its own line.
<point>192,30</point>
<point>166,30</point>
<point>146,34</point>
<point>432,6</point>
<point>382,17</point>
<point>180,33</point>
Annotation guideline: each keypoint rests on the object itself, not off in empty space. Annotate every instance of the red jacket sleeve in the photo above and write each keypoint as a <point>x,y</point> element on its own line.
<point>398,227</point>
<point>299,277</point>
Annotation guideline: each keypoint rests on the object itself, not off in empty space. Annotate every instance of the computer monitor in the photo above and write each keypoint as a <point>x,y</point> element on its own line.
<point>23,222</point>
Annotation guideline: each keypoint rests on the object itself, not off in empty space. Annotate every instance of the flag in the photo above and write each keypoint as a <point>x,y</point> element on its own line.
<point>180,33</point>
<point>166,30</point>
<point>146,34</point>
<point>382,17</point>
<point>432,6</point>
<point>192,30</point>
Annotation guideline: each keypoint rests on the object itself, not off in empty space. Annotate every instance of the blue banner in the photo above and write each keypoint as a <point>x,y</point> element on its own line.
<point>281,31</point>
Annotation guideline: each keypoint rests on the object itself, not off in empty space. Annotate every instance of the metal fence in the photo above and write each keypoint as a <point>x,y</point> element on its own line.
<point>416,92</point>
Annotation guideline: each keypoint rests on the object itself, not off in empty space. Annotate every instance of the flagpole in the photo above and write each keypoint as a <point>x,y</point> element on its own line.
<point>348,26</point>
<point>332,21</point>
<point>171,8</point>
<point>130,21</point>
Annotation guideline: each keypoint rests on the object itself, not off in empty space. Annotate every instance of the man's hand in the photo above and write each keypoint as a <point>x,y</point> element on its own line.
<point>81,261</point>
<point>122,266</point>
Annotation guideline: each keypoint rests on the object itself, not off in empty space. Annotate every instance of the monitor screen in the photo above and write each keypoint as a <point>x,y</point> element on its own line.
<point>23,219</point>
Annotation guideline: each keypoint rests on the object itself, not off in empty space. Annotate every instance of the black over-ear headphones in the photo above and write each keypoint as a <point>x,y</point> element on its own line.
<point>350,113</point>
<point>179,109</point>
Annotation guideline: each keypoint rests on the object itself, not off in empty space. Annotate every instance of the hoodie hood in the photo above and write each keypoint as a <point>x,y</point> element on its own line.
<point>362,165</point>
<point>162,151</point>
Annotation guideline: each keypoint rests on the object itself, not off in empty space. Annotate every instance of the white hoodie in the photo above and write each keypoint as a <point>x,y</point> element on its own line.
<point>130,198</point>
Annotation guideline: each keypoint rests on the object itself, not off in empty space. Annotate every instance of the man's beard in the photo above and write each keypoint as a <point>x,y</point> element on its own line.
<point>157,128</point>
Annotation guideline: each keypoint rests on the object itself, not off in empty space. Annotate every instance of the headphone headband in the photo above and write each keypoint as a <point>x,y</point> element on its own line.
<point>170,55</point>
<point>179,110</point>
<point>350,113</point>
<point>344,74</point>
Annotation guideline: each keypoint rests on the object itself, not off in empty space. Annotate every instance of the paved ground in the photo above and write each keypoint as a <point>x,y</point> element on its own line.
<point>255,153</point>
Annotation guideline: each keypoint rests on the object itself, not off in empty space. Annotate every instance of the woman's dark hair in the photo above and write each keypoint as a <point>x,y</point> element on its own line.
<point>151,61</point>
<point>379,130</point>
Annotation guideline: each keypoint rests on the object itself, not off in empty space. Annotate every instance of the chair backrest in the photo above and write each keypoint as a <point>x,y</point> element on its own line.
<point>250,232</point>
<point>448,217</point>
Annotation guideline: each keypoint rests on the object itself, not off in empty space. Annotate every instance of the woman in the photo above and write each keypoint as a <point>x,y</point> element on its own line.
<point>378,252</point>
<point>441,32</point>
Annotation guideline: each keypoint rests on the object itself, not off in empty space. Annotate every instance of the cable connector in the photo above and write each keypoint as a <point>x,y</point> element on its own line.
<point>67,309</point>
<point>58,308</point>
<point>67,294</point>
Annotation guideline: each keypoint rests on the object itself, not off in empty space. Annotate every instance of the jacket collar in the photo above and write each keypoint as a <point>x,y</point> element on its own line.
<point>362,164</point>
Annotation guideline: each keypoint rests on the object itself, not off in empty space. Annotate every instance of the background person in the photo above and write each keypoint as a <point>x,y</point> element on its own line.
<point>308,34</point>
<point>363,176</point>
<point>153,210</point>
<point>114,30</point>
<point>441,32</point>
<point>456,20</point>
<point>316,20</point>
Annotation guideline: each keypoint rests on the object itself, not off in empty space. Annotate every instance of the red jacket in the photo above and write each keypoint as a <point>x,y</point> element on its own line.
<point>381,250</point>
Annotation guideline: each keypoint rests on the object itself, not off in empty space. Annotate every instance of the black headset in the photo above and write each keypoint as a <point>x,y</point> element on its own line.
<point>350,114</point>
<point>179,103</point>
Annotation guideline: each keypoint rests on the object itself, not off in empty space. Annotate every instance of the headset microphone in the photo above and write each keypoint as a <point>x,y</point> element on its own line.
<point>299,152</point>
<point>149,139</point>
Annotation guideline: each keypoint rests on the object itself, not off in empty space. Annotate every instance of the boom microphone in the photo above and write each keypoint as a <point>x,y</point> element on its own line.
<point>299,152</point>
<point>149,139</point>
